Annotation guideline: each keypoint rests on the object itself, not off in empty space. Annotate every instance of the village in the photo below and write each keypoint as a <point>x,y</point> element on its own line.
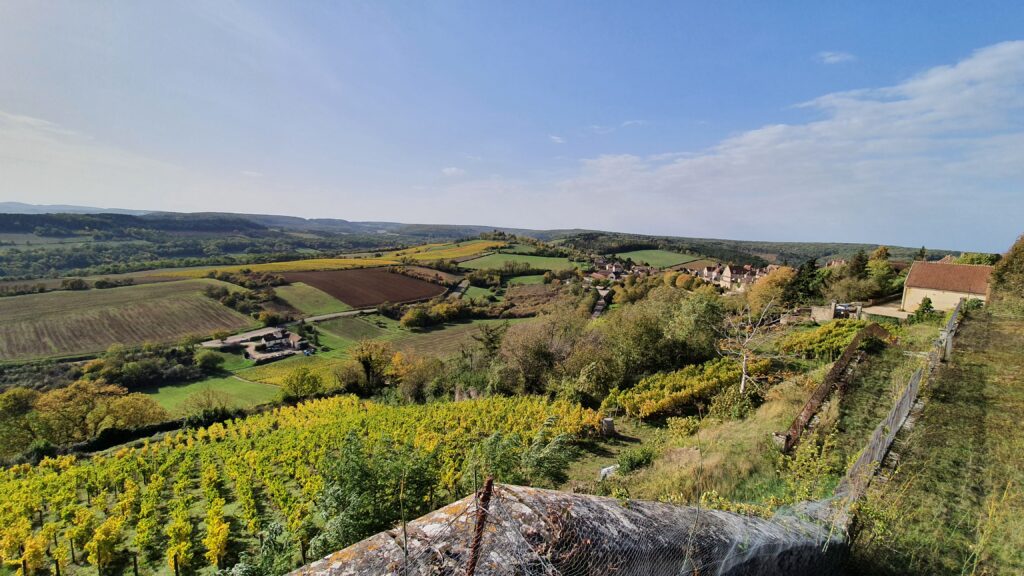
<point>942,282</point>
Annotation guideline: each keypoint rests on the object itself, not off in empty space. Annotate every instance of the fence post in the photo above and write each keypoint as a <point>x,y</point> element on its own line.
<point>481,519</point>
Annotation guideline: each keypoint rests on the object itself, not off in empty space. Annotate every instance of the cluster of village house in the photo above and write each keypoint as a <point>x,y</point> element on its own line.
<point>944,282</point>
<point>730,277</point>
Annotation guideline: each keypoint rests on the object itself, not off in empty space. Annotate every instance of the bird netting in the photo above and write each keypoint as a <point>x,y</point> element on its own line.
<point>532,532</point>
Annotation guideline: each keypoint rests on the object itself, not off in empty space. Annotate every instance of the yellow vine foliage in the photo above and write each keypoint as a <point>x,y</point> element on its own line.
<point>270,464</point>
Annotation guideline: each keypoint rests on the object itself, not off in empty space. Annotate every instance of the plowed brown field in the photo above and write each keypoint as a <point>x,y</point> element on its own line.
<point>367,287</point>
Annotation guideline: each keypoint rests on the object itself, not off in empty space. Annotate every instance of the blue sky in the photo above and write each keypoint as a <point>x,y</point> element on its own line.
<point>757,120</point>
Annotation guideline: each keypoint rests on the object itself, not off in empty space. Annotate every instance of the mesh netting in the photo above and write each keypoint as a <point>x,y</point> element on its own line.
<point>527,531</point>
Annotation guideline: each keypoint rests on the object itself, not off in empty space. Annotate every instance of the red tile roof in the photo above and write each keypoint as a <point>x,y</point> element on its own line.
<point>966,278</point>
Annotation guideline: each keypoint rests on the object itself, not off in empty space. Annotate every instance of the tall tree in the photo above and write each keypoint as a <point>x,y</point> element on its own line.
<point>857,268</point>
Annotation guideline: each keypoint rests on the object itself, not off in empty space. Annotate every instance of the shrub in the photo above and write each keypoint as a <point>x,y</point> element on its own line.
<point>825,342</point>
<point>683,426</point>
<point>635,459</point>
<point>678,392</point>
<point>209,361</point>
<point>730,404</point>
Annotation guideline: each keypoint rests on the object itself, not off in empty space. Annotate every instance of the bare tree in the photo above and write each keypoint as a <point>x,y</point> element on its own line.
<point>740,336</point>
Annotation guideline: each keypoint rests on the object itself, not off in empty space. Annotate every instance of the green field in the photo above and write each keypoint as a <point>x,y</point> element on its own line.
<point>69,323</point>
<point>309,300</point>
<point>239,393</point>
<point>496,261</point>
<point>658,258</point>
<point>478,293</point>
<point>534,279</point>
<point>338,336</point>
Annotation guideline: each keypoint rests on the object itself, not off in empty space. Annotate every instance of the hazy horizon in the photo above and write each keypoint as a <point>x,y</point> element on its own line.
<point>868,124</point>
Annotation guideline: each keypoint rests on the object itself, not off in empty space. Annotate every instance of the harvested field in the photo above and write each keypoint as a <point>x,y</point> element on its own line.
<point>283,267</point>
<point>453,251</point>
<point>309,300</point>
<point>73,323</point>
<point>367,287</point>
<point>429,274</point>
<point>533,299</point>
<point>696,264</point>
<point>423,253</point>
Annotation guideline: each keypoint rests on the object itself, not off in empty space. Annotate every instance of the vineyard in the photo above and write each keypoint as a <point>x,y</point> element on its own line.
<point>215,496</point>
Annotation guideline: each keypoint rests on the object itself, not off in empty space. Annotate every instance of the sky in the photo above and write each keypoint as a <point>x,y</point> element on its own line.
<point>879,122</point>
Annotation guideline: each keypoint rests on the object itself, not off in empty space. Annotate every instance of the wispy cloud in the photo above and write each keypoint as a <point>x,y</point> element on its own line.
<point>827,57</point>
<point>453,171</point>
<point>556,139</point>
<point>609,128</point>
<point>252,174</point>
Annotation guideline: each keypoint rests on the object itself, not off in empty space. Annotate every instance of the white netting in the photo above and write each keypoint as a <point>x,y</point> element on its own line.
<point>530,532</point>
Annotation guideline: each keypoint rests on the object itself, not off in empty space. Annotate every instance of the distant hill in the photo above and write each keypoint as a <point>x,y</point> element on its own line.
<point>62,220</point>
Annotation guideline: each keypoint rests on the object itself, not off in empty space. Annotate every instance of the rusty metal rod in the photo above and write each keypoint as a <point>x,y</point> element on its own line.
<point>481,519</point>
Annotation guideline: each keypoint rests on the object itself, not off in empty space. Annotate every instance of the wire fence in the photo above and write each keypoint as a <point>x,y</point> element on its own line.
<point>855,483</point>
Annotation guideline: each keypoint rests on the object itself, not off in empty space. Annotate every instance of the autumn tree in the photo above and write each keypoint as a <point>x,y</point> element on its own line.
<point>767,295</point>
<point>302,383</point>
<point>1008,276</point>
<point>79,411</point>
<point>19,425</point>
<point>374,356</point>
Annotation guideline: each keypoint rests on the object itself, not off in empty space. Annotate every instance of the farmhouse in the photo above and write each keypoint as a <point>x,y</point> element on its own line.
<point>945,284</point>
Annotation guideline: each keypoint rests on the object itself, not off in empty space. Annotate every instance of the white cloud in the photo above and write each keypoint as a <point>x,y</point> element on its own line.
<point>629,123</point>
<point>252,174</point>
<point>556,139</point>
<point>453,171</point>
<point>937,159</point>
<point>827,57</point>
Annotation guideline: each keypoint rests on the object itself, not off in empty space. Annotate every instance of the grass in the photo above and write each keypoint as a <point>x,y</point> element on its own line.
<point>658,258</point>
<point>69,323</point>
<point>736,458</point>
<point>955,504</point>
<point>309,300</point>
<point>239,393</point>
<point>496,261</point>
<point>446,340</point>
<point>478,292</point>
<point>534,279</point>
<point>338,336</point>
<point>870,395</point>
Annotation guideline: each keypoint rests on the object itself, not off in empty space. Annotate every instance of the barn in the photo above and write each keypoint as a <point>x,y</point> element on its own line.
<point>945,283</point>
